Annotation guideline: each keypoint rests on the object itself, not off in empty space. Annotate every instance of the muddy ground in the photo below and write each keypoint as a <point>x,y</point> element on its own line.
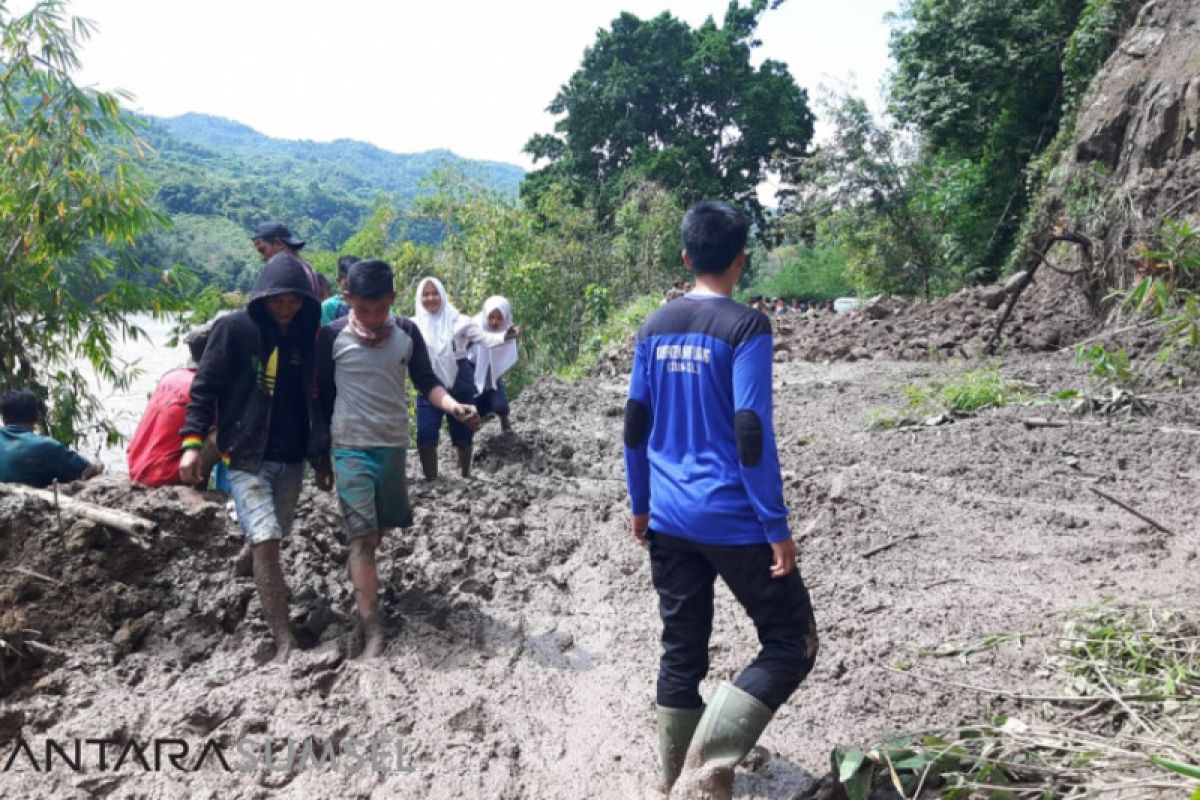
<point>523,627</point>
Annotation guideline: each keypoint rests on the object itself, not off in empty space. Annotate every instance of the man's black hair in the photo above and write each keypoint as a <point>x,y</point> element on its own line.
<point>20,407</point>
<point>345,263</point>
<point>713,236</point>
<point>197,340</point>
<point>370,279</point>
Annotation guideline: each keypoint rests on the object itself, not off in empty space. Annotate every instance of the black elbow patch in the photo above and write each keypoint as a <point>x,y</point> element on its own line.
<point>637,423</point>
<point>748,430</point>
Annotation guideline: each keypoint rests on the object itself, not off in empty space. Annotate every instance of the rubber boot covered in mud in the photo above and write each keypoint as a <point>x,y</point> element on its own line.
<point>675,729</point>
<point>464,459</point>
<point>505,423</point>
<point>728,730</point>
<point>429,461</point>
<point>272,595</point>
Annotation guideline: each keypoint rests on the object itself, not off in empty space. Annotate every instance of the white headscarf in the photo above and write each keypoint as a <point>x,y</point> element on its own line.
<point>438,332</point>
<point>499,358</point>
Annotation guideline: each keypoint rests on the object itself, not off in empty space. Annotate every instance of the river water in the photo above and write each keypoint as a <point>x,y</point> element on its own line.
<point>148,359</point>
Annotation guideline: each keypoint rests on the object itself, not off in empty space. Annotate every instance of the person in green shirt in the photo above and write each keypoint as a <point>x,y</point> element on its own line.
<point>336,307</point>
<point>31,459</point>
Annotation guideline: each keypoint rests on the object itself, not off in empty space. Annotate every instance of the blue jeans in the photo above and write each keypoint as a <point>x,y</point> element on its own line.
<point>429,417</point>
<point>266,500</point>
<point>493,401</point>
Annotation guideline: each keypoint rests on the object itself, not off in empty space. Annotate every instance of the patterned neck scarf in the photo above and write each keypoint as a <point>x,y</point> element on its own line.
<point>372,337</point>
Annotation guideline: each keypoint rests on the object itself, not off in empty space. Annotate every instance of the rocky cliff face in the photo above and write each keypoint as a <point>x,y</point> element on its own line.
<point>1134,160</point>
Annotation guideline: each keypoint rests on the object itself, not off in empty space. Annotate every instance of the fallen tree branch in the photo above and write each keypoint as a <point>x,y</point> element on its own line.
<point>38,575</point>
<point>1025,278</point>
<point>888,545</point>
<point>45,648</point>
<point>1037,698</point>
<point>1131,510</point>
<point>111,518</point>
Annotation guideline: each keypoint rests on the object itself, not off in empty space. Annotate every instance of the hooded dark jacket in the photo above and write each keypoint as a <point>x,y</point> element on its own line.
<point>235,380</point>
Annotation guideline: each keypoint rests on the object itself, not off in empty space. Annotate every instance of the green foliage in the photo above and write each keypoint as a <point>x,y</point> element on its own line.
<point>1168,289</point>
<point>858,195</point>
<point>989,88</point>
<point>981,81</point>
<point>1099,28</point>
<point>655,100</point>
<point>809,272</point>
<point>605,333</point>
<point>72,204</point>
<point>217,179</point>
<point>562,274</point>
<point>1110,367</point>
<point>957,396</point>
<point>1141,651</point>
<point>966,393</point>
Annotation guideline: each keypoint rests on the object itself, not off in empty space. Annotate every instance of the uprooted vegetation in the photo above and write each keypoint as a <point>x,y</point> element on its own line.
<point>1124,725</point>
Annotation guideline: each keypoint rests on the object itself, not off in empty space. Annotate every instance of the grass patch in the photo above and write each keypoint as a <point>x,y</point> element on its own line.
<point>966,393</point>
<point>957,396</point>
<point>612,332</point>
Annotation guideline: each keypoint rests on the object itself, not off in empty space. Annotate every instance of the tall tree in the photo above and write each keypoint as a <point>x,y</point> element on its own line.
<point>71,205</point>
<point>982,82</point>
<point>657,100</point>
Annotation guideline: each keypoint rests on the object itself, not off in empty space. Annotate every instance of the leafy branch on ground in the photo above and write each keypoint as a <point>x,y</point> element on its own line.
<point>1135,672</point>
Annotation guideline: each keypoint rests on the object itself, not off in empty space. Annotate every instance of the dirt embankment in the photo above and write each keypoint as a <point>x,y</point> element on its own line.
<point>523,633</point>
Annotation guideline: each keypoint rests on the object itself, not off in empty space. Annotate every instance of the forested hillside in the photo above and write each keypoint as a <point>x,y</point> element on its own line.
<point>216,179</point>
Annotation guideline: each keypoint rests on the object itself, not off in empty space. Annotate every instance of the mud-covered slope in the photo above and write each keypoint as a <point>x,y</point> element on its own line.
<point>523,630</point>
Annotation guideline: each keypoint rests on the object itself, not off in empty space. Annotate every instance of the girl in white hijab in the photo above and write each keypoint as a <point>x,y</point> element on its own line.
<point>491,362</point>
<point>448,337</point>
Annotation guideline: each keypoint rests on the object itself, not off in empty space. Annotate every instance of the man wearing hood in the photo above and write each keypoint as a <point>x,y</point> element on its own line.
<point>255,383</point>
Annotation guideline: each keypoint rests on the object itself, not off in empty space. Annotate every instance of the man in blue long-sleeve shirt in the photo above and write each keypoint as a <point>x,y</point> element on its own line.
<point>707,499</point>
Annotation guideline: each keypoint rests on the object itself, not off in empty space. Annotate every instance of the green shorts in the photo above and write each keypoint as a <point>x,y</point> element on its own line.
<point>372,489</point>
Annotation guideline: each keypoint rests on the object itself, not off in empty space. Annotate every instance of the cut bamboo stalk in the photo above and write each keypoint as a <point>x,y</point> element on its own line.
<point>111,518</point>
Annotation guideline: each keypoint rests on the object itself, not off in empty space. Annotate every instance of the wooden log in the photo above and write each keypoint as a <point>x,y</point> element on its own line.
<point>1042,422</point>
<point>111,518</point>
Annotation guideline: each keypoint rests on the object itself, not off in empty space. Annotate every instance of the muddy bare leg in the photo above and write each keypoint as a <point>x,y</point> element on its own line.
<point>272,595</point>
<point>365,578</point>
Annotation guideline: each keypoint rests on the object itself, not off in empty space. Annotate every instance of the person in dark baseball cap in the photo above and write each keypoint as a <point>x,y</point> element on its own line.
<point>273,237</point>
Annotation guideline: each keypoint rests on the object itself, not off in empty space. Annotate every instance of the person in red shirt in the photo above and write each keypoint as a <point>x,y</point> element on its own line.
<point>153,453</point>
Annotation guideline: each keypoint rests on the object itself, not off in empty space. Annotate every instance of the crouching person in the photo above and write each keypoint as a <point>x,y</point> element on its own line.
<point>255,383</point>
<point>362,360</point>
<point>29,458</point>
<point>707,498</point>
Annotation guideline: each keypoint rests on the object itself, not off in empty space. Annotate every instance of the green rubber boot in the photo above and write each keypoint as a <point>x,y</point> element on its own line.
<point>728,730</point>
<point>675,729</point>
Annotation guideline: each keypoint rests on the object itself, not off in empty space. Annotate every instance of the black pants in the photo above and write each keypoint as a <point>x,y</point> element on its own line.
<point>684,572</point>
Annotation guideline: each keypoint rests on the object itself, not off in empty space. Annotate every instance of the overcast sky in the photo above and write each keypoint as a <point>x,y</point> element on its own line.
<point>472,76</point>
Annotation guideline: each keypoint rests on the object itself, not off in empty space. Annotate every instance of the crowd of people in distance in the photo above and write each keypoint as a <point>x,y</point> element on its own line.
<point>767,305</point>
<point>779,305</point>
